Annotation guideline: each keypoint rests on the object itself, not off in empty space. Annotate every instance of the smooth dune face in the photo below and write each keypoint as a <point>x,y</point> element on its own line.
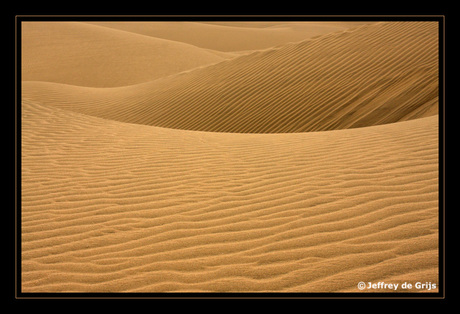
<point>165,185</point>
<point>89,55</point>
<point>232,36</point>
<point>375,74</point>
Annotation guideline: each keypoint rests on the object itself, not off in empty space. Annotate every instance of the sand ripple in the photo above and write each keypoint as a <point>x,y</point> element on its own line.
<point>110,206</point>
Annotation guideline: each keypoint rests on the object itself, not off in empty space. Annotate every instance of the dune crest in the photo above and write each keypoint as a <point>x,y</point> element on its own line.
<point>232,36</point>
<point>375,74</point>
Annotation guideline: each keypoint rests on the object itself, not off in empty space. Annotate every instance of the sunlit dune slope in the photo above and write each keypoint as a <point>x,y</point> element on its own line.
<point>109,206</point>
<point>88,55</point>
<point>375,74</point>
<point>232,36</point>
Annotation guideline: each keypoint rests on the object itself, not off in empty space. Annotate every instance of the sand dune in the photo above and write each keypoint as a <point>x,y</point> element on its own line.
<point>109,206</point>
<point>89,55</point>
<point>232,36</point>
<point>165,185</point>
<point>376,74</point>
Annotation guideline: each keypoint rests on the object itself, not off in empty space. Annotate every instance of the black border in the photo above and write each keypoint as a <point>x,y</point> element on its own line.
<point>440,295</point>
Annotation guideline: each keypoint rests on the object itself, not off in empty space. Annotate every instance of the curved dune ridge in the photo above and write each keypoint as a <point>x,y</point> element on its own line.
<point>374,74</point>
<point>89,55</point>
<point>109,206</point>
<point>306,167</point>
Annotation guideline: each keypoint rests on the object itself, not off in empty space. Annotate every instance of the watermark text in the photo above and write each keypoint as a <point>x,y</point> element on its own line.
<point>381,285</point>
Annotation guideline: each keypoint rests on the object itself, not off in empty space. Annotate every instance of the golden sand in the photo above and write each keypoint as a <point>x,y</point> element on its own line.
<point>144,168</point>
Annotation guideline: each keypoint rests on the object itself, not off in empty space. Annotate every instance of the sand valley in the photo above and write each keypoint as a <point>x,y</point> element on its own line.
<point>229,156</point>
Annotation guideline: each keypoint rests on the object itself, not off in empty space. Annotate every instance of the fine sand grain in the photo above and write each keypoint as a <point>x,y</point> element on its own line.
<point>144,167</point>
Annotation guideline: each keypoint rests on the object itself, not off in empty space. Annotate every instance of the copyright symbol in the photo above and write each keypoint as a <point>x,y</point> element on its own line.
<point>361,285</point>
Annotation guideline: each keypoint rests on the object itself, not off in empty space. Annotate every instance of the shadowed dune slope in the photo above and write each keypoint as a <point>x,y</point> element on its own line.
<point>89,55</point>
<point>109,206</point>
<point>375,74</point>
<point>232,36</point>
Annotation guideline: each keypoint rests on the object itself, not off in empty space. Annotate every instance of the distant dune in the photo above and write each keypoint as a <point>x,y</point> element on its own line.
<point>144,167</point>
<point>89,55</point>
<point>376,74</point>
<point>232,36</point>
